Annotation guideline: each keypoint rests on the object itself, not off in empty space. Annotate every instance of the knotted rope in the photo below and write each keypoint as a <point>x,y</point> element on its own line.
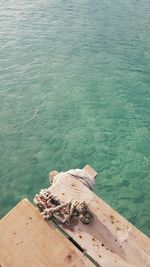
<point>79,174</point>
<point>64,212</point>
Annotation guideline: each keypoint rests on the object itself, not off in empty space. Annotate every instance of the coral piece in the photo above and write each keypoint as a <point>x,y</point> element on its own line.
<point>64,212</point>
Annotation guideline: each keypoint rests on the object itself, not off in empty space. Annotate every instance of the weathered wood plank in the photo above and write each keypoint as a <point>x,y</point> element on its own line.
<point>90,171</point>
<point>26,240</point>
<point>110,239</point>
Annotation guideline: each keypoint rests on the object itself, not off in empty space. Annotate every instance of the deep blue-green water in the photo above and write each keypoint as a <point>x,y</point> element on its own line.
<point>75,89</point>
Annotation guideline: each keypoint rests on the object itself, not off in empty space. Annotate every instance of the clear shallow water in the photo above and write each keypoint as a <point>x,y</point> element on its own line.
<point>74,89</point>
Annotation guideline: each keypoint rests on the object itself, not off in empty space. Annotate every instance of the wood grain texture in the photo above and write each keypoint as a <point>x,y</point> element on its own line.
<point>26,240</point>
<point>109,239</point>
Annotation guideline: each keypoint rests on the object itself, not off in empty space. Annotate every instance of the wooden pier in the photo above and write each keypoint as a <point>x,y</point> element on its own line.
<point>27,240</point>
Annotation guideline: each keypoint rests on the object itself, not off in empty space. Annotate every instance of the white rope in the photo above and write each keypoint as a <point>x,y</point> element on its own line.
<point>79,174</point>
<point>83,177</point>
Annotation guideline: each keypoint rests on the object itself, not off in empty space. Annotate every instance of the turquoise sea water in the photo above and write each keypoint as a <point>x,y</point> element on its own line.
<point>75,89</point>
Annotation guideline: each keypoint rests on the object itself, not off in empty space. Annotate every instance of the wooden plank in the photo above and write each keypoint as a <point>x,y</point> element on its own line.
<point>90,171</point>
<point>110,239</point>
<point>26,240</point>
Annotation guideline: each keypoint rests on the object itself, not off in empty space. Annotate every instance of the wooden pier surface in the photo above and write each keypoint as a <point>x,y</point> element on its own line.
<point>26,240</point>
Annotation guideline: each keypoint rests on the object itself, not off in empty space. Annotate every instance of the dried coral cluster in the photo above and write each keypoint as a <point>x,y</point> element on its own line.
<point>64,212</point>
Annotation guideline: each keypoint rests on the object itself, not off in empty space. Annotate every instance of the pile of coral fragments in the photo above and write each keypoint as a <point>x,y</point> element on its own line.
<point>65,212</point>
